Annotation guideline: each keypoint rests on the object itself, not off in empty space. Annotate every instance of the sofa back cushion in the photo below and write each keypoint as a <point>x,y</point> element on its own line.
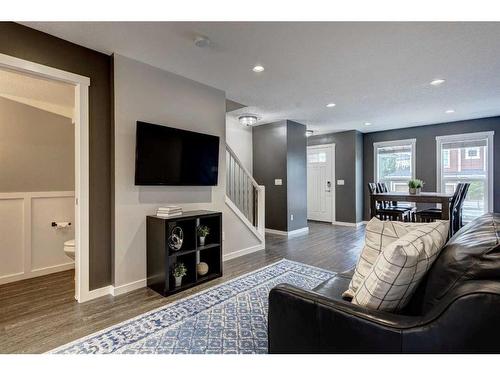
<point>399,268</point>
<point>378,234</point>
<point>473,253</point>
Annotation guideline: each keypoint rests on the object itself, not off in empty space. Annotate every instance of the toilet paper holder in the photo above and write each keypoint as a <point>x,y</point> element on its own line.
<point>54,224</point>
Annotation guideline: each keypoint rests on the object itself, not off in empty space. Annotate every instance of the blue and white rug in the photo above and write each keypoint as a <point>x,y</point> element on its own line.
<point>227,318</point>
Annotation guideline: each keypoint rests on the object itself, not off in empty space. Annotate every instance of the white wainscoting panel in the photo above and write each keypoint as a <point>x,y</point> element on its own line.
<point>29,245</point>
<point>11,237</point>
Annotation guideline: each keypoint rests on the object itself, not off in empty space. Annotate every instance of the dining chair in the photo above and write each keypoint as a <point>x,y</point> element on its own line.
<point>385,210</point>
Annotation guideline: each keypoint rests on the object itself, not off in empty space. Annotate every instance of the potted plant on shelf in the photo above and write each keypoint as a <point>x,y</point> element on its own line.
<point>415,185</point>
<point>203,231</point>
<point>179,272</point>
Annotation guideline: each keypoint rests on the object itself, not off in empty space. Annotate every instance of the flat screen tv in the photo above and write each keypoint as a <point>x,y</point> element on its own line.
<point>169,156</point>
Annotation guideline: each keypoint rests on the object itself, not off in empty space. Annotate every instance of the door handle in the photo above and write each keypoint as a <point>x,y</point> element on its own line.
<point>328,186</point>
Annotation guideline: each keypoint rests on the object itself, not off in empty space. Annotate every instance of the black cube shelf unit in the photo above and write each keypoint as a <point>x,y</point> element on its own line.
<point>161,259</point>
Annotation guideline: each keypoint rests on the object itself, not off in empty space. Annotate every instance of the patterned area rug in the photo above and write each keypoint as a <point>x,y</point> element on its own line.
<point>227,318</point>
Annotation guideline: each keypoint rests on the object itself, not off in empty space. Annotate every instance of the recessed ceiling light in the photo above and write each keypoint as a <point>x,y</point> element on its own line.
<point>202,41</point>
<point>258,68</point>
<point>368,123</point>
<point>331,105</point>
<point>248,120</point>
<point>437,82</point>
<point>449,111</point>
<point>309,133</point>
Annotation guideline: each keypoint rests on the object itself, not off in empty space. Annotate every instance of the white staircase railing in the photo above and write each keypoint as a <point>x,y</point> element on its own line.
<point>244,195</point>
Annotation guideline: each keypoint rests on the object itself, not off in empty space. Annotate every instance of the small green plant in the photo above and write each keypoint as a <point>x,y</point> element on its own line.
<point>180,270</point>
<point>415,183</point>
<point>203,231</point>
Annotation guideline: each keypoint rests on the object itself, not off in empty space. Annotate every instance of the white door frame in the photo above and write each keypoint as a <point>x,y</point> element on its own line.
<point>81,120</point>
<point>334,181</point>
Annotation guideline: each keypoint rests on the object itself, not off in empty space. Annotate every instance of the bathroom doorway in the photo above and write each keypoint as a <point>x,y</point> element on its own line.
<point>44,187</point>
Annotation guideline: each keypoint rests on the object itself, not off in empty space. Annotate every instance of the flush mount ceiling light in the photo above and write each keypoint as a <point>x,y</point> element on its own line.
<point>258,68</point>
<point>331,105</point>
<point>248,120</point>
<point>309,133</point>
<point>202,41</point>
<point>368,123</point>
<point>449,111</point>
<point>437,82</point>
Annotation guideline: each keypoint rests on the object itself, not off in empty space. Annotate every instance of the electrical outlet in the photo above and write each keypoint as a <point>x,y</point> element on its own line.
<point>340,182</point>
<point>278,181</point>
<point>291,217</point>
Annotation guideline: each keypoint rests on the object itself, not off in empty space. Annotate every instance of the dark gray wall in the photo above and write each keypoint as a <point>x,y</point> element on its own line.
<point>426,151</point>
<point>25,43</point>
<point>297,175</point>
<point>348,167</point>
<point>269,162</point>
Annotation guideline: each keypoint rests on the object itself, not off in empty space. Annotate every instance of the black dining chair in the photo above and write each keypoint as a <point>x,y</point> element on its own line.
<point>456,203</point>
<point>385,210</point>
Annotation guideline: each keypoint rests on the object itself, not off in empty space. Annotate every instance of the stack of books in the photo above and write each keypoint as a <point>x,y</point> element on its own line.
<point>168,211</point>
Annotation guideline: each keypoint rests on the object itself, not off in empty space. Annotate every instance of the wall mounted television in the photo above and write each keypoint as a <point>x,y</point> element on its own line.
<point>169,156</point>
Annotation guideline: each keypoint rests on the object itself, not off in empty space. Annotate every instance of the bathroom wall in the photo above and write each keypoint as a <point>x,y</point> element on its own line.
<point>36,188</point>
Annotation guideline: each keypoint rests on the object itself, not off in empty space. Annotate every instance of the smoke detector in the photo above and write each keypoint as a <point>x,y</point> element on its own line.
<point>202,41</point>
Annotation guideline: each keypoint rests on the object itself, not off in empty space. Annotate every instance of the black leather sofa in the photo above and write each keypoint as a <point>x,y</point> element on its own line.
<point>456,308</point>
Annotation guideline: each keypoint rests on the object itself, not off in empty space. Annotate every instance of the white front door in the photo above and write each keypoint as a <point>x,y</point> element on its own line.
<point>320,184</point>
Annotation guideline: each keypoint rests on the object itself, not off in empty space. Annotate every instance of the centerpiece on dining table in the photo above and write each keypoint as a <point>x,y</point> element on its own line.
<point>415,185</point>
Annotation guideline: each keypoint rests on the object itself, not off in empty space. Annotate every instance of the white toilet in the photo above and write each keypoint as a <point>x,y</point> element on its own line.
<point>69,248</point>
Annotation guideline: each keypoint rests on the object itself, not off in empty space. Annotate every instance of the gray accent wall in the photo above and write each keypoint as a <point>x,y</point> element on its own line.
<point>279,152</point>
<point>425,153</point>
<point>269,163</point>
<point>296,175</point>
<point>348,167</point>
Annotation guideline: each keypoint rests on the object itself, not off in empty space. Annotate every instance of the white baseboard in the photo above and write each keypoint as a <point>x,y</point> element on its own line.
<point>346,224</point>
<point>122,289</point>
<point>238,253</point>
<point>290,233</point>
<point>96,293</point>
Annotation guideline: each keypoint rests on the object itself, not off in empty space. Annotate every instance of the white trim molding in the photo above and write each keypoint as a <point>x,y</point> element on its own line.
<point>347,224</point>
<point>122,289</point>
<point>289,233</point>
<point>239,253</point>
<point>81,120</point>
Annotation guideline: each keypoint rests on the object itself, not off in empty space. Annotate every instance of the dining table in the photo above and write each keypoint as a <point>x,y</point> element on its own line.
<point>422,197</point>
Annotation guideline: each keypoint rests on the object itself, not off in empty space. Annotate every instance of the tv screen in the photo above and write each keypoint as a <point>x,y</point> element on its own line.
<point>169,156</point>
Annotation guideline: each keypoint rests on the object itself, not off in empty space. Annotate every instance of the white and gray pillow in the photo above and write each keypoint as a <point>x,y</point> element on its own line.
<point>401,265</point>
<point>378,234</point>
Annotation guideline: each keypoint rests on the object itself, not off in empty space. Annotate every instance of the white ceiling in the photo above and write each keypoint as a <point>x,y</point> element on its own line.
<point>48,95</point>
<point>374,72</point>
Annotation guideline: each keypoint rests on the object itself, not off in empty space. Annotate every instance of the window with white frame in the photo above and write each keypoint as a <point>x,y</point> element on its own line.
<point>467,158</point>
<point>395,163</point>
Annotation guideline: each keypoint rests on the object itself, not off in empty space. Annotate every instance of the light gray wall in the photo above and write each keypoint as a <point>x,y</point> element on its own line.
<point>296,175</point>
<point>269,163</point>
<point>348,167</point>
<point>426,162</point>
<point>37,149</point>
<point>239,138</point>
<point>146,93</point>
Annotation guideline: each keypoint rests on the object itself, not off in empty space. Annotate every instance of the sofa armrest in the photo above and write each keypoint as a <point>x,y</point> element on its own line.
<point>302,321</point>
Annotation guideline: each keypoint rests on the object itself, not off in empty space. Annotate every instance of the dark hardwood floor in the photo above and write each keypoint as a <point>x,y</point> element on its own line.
<point>40,314</point>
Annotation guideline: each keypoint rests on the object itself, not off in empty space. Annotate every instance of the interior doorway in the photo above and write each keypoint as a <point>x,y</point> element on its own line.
<point>80,88</point>
<point>321,183</point>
